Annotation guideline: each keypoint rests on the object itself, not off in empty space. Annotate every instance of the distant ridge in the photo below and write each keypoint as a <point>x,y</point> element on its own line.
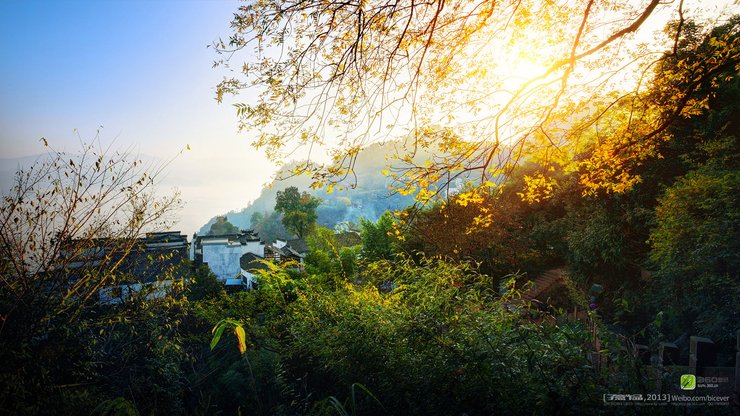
<point>369,199</point>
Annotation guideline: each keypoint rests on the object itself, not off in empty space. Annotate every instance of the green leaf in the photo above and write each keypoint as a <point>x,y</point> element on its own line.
<point>338,406</point>
<point>217,331</point>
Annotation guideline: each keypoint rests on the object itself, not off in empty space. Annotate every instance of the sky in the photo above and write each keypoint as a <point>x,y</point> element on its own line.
<point>141,70</point>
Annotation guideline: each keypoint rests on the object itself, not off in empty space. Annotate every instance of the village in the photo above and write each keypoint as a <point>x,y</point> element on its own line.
<point>403,208</point>
<point>155,260</point>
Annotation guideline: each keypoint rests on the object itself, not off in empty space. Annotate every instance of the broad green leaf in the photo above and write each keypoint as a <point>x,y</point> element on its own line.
<point>217,331</point>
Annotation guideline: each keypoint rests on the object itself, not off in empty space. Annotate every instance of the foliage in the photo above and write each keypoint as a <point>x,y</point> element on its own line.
<point>453,229</point>
<point>239,333</point>
<point>116,407</point>
<point>205,285</point>
<point>686,78</point>
<point>222,226</point>
<point>693,241</point>
<point>441,342</point>
<point>479,85</point>
<point>331,403</point>
<point>327,257</point>
<point>695,246</point>
<point>269,227</point>
<point>378,239</point>
<point>60,214</point>
<point>298,210</point>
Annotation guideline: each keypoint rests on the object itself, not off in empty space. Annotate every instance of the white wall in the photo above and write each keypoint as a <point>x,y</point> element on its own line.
<point>255,247</point>
<point>223,257</point>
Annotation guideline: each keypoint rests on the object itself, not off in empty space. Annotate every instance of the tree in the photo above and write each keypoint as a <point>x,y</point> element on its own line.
<point>222,226</point>
<point>298,210</point>
<point>378,239</point>
<point>483,85</point>
<point>429,345</point>
<point>695,246</point>
<point>61,213</point>
<point>269,226</point>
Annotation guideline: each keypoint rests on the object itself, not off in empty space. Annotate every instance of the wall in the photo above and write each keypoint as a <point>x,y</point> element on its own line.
<point>223,258</point>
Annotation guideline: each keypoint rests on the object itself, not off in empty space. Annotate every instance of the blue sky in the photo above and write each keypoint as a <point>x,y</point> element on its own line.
<point>140,69</point>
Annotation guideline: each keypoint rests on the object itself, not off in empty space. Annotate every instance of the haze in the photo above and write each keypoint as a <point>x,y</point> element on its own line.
<point>142,71</point>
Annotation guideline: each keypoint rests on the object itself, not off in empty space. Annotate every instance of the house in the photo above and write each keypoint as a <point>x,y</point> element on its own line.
<point>152,263</point>
<point>236,259</point>
<point>288,250</point>
<point>250,264</point>
<point>149,264</point>
<point>223,255</point>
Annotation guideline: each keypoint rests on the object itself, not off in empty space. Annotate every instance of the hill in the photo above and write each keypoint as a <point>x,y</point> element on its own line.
<point>369,199</point>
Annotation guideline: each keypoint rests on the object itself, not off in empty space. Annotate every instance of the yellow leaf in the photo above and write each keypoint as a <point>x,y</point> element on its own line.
<point>241,338</point>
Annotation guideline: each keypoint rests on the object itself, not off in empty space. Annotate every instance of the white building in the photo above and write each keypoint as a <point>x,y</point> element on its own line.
<point>223,253</point>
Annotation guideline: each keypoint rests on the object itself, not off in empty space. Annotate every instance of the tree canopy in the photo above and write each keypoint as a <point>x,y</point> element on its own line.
<point>482,85</point>
<point>268,226</point>
<point>222,226</point>
<point>298,210</point>
<point>68,229</point>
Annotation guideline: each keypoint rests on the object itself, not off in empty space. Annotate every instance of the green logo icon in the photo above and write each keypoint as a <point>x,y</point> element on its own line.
<point>688,382</point>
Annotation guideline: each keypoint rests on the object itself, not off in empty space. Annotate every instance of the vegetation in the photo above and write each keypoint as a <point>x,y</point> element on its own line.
<point>222,226</point>
<point>369,199</point>
<point>269,227</point>
<point>479,86</point>
<point>430,314</point>
<point>55,336</point>
<point>298,210</point>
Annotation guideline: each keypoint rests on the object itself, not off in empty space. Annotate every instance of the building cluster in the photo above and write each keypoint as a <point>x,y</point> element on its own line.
<point>149,265</point>
<point>236,258</point>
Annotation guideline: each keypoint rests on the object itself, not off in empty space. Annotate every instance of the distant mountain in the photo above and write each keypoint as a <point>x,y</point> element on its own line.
<point>9,167</point>
<point>369,199</point>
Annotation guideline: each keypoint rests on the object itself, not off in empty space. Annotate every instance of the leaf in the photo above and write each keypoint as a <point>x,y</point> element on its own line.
<point>338,406</point>
<point>217,331</point>
<point>241,338</point>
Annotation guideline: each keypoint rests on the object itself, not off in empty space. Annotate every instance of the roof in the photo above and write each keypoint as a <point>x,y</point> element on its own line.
<point>152,265</point>
<point>292,253</point>
<point>271,248</point>
<point>243,237</point>
<point>155,257</point>
<point>165,236</point>
<point>299,245</point>
<point>252,262</point>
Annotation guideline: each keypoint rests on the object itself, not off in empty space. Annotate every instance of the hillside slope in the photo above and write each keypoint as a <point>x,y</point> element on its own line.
<point>369,199</point>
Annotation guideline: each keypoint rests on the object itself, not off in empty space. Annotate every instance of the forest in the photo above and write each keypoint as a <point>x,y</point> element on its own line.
<point>433,313</point>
